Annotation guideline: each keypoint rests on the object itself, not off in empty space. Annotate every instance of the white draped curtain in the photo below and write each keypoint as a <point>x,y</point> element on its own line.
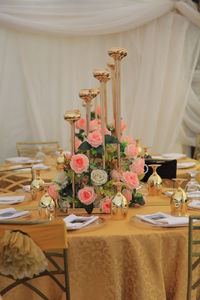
<point>49,50</point>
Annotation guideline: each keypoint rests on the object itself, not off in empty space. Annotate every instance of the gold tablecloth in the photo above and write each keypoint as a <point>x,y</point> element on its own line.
<point>123,260</point>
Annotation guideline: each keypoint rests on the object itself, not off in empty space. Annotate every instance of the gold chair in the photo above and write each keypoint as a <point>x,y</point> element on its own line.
<point>50,237</point>
<point>31,149</point>
<point>193,256</point>
<point>10,181</point>
<point>196,154</point>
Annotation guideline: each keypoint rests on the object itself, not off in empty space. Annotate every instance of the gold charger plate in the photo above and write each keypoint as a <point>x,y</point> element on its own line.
<point>92,226</point>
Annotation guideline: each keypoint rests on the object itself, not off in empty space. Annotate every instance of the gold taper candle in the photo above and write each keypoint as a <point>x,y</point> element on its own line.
<point>103,76</point>
<point>111,65</point>
<point>87,95</point>
<point>118,54</point>
<point>72,116</point>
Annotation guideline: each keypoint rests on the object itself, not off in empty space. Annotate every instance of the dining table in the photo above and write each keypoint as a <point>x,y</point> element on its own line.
<point>119,259</point>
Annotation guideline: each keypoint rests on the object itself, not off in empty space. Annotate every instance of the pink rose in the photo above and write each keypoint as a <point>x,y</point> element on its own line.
<point>77,143</point>
<point>128,139</point>
<point>95,138</point>
<point>130,179</point>
<point>131,151</point>
<point>115,175</point>
<point>79,163</point>
<point>128,194</point>
<point>106,131</point>
<point>105,205</point>
<point>81,124</point>
<point>99,122</point>
<point>122,126</point>
<point>87,195</point>
<point>137,166</point>
<point>93,125</point>
<point>53,191</point>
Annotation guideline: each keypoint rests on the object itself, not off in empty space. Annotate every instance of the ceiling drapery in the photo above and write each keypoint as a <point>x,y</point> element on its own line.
<point>49,50</point>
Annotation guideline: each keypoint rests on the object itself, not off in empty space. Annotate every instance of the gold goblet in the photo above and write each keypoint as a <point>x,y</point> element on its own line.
<point>103,76</point>
<point>72,116</point>
<point>154,182</point>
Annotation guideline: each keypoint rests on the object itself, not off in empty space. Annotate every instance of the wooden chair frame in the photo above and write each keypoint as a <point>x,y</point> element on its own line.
<point>51,257</point>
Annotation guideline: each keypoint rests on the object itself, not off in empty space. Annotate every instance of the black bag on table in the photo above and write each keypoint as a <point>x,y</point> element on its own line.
<point>166,170</point>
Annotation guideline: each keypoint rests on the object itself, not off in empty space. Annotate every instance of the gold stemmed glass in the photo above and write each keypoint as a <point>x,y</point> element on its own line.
<point>178,201</point>
<point>154,182</point>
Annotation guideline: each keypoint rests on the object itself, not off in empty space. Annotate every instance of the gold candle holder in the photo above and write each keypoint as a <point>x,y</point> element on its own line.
<point>72,116</point>
<point>103,76</point>
<point>111,65</point>
<point>96,103</point>
<point>118,54</point>
<point>87,95</point>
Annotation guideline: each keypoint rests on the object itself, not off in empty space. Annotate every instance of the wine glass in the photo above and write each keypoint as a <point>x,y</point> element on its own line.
<point>192,185</point>
<point>178,202</point>
<point>154,182</point>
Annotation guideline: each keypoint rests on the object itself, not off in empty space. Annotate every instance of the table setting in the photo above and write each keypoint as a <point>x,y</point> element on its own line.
<point>115,223</point>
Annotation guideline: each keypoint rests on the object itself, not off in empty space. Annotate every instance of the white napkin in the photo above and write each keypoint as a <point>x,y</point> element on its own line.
<point>27,188</point>
<point>76,222</point>
<point>11,199</point>
<point>164,220</point>
<point>11,213</point>
<point>194,204</point>
<point>192,195</point>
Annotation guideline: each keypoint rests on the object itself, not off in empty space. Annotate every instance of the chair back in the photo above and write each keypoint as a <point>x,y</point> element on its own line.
<point>31,149</point>
<point>51,238</point>
<point>193,255</point>
<point>10,181</point>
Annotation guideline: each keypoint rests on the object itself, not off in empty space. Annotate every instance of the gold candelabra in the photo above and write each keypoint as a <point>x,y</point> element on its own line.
<point>117,54</point>
<point>72,116</point>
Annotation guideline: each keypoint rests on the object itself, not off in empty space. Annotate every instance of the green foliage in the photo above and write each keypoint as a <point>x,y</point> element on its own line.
<point>137,198</point>
<point>110,139</point>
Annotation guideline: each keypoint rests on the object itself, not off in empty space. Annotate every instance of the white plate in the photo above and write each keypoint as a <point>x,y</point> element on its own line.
<point>174,155</point>
<point>159,157</point>
<point>186,165</point>
<point>22,160</point>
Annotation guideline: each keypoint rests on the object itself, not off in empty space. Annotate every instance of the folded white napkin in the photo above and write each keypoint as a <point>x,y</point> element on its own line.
<point>11,199</point>
<point>164,220</point>
<point>194,204</point>
<point>193,195</point>
<point>76,222</point>
<point>11,213</point>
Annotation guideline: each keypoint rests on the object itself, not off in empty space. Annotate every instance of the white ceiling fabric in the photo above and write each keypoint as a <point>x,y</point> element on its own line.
<point>49,49</point>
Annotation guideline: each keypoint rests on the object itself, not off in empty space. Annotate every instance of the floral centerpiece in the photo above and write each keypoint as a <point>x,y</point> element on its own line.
<point>94,186</point>
<point>100,155</point>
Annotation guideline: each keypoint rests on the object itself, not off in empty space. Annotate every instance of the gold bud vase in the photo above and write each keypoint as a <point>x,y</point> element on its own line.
<point>37,187</point>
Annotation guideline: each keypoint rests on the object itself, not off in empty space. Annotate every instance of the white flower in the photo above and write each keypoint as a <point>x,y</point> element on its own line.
<point>99,177</point>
